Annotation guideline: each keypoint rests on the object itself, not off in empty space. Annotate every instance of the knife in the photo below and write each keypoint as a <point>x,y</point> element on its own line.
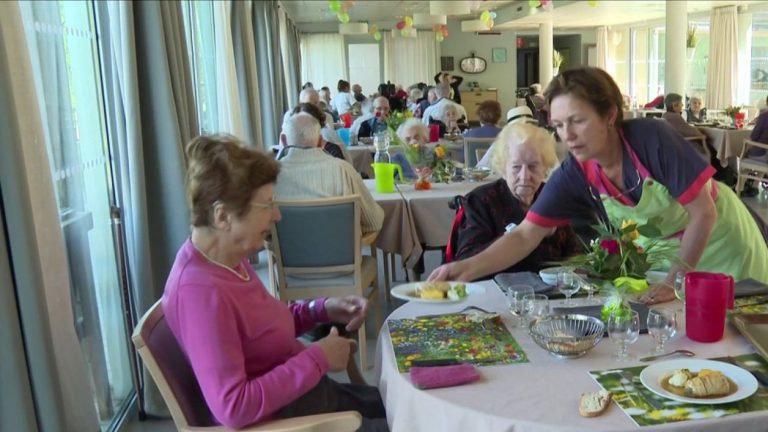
<point>761,376</point>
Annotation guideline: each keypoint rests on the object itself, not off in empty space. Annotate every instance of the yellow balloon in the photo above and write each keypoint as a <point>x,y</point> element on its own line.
<point>377,36</point>
<point>485,16</point>
<point>408,21</point>
<point>592,3</point>
<point>439,37</point>
<point>343,17</point>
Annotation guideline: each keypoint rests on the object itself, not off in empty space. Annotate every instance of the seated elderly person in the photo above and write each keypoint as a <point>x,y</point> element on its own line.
<point>695,113</point>
<point>411,132</point>
<point>335,149</point>
<point>380,114</point>
<point>312,96</point>
<point>674,104</point>
<point>523,153</point>
<point>447,118</point>
<point>442,92</point>
<point>489,113</point>
<point>759,134</point>
<point>308,172</point>
<point>414,96</point>
<point>239,340</point>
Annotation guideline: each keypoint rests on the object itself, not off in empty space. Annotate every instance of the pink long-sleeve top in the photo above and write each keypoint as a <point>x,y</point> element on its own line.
<point>240,340</point>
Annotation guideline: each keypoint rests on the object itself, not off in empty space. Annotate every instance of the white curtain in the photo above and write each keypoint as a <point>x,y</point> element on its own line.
<point>408,61</point>
<point>323,59</point>
<point>229,116</point>
<point>722,79</point>
<point>602,48</point>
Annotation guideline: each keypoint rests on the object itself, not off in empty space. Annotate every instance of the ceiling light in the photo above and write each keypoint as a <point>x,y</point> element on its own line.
<point>453,7</point>
<point>427,20</point>
<point>353,28</point>
<point>474,26</point>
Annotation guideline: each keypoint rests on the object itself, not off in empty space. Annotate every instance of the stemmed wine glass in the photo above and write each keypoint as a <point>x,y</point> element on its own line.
<point>515,295</point>
<point>568,283</point>
<point>662,325</point>
<point>623,330</point>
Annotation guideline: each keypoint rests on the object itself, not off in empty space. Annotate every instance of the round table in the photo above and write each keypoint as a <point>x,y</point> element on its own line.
<point>539,396</point>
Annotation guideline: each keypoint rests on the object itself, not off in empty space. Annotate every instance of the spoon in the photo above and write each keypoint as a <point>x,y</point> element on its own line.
<point>683,352</point>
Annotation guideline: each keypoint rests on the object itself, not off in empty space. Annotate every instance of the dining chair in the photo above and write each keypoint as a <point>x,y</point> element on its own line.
<point>750,168</point>
<point>471,146</point>
<point>169,368</point>
<point>700,144</point>
<point>317,246</point>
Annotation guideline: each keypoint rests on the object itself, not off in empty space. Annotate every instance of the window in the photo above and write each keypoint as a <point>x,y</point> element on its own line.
<point>323,61</point>
<point>366,73</point>
<point>759,62</point>
<point>199,32</point>
<point>697,61</point>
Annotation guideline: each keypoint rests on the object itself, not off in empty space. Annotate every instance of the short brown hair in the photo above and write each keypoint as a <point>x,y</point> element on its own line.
<point>342,86</point>
<point>592,85</point>
<point>489,112</point>
<point>221,168</point>
<point>312,110</point>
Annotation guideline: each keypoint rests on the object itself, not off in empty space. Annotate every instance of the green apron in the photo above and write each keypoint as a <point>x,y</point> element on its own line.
<point>735,246</point>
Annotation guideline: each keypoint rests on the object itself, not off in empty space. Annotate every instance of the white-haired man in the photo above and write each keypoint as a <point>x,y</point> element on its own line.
<point>308,172</point>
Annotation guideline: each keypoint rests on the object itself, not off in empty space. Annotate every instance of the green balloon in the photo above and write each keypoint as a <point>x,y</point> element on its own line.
<point>377,36</point>
<point>534,3</point>
<point>343,17</point>
<point>334,5</point>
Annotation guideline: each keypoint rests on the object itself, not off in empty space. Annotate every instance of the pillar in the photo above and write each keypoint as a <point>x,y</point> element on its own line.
<point>675,65</point>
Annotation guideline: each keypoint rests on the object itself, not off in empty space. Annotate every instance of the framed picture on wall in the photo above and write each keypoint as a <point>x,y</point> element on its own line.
<point>499,55</point>
<point>446,63</point>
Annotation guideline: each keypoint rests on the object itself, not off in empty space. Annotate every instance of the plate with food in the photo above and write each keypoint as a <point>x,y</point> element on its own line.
<point>436,292</point>
<point>699,381</point>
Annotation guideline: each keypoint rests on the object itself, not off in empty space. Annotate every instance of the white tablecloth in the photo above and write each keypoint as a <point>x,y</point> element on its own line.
<point>727,142</point>
<point>539,396</point>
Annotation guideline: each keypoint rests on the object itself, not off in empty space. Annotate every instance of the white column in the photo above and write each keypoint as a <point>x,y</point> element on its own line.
<point>545,53</point>
<point>744,28</point>
<point>675,66</point>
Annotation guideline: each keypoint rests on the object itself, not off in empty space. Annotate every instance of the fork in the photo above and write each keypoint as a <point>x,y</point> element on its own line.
<point>641,390</point>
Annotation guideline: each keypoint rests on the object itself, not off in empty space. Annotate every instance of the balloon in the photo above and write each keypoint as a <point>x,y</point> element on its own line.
<point>534,3</point>
<point>592,3</point>
<point>377,36</point>
<point>444,32</point>
<point>404,32</point>
<point>373,29</point>
<point>408,21</point>
<point>493,15</point>
<point>334,5</point>
<point>400,25</point>
<point>490,24</point>
<point>439,37</point>
<point>343,17</point>
<point>485,16</point>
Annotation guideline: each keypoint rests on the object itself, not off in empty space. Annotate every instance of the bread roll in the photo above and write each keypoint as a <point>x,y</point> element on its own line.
<point>595,403</point>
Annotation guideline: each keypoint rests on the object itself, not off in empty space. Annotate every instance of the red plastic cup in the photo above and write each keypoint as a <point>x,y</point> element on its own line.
<point>739,119</point>
<point>707,297</point>
<point>434,133</point>
<point>347,119</point>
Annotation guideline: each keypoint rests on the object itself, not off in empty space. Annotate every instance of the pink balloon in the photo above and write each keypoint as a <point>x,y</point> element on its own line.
<point>400,25</point>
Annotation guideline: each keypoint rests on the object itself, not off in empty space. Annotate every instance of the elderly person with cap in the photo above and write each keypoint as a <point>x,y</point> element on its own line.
<point>523,153</point>
<point>489,113</point>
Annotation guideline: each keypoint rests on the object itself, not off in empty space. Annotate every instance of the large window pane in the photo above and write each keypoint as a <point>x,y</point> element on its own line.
<point>759,64</point>
<point>201,43</point>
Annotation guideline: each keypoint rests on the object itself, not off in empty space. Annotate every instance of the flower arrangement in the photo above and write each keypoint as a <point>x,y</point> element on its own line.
<point>617,257</point>
<point>429,160</point>
<point>691,39</point>
<point>731,111</point>
<point>397,118</point>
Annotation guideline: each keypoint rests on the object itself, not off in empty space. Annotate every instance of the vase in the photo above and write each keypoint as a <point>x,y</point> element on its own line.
<point>424,176</point>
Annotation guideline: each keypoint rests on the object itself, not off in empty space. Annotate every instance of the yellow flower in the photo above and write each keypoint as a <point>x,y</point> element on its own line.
<point>439,151</point>
<point>634,234</point>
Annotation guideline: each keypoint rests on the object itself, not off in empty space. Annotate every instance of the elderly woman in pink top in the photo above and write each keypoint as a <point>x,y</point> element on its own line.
<point>240,341</point>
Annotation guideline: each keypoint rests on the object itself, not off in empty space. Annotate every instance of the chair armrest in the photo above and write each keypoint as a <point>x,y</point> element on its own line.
<point>344,421</point>
<point>748,143</point>
<point>369,239</point>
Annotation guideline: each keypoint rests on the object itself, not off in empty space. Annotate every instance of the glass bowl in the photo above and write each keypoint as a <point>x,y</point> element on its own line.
<point>567,336</point>
<point>477,173</point>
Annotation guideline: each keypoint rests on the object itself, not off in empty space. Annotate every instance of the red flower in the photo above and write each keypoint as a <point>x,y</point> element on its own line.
<point>610,245</point>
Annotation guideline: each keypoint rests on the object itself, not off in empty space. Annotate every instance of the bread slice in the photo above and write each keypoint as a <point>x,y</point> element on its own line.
<point>595,403</point>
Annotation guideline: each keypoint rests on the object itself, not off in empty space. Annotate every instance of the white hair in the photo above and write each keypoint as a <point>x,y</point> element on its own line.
<point>518,135</point>
<point>413,123</point>
<point>306,95</point>
<point>443,107</point>
<point>301,130</point>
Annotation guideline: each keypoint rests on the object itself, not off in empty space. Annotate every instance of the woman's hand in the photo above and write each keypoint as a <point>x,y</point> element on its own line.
<point>658,293</point>
<point>350,310</point>
<point>336,350</point>
<point>455,271</point>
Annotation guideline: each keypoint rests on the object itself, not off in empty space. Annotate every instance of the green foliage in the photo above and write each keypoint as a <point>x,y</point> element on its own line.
<point>691,40</point>
<point>433,157</point>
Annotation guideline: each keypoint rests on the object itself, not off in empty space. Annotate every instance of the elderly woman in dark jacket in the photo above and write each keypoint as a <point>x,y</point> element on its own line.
<point>524,154</point>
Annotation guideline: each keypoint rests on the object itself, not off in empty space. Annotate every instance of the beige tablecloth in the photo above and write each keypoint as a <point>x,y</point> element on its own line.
<point>539,396</point>
<point>362,158</point>
<point>727,142</point>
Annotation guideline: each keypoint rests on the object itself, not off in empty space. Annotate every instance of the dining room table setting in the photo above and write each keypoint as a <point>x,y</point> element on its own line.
<point>511,354</point>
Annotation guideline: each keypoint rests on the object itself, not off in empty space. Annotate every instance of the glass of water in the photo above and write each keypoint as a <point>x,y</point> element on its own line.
<point>623,330</point>
<point>515,295</point>
<point>568,283</point>
<point>534,306</point>
<point>662,325</point>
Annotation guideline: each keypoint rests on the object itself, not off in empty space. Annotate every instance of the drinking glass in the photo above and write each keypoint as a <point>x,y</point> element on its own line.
<point>680,286</point>
<point>515,295</point>
<point>662,325</point>
<point>623,330</point>
<point>568,283</point>
<point>534,306</point>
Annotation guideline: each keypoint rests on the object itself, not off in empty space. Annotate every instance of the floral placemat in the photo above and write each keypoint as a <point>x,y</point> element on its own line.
<point>453,336</point>
<point>646,408</point>
<point>756,304</point>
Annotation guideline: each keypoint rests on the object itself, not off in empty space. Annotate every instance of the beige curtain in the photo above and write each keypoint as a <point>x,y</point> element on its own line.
<point>409,61</point>
<point>244,47</point>
<point>602,47</point>
<point>722,70</point>
<point>52,368</point>
<point>323,59</point>
<point>228,100</point>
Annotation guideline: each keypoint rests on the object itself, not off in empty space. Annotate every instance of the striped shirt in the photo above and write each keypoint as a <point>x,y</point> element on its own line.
<point>311,173</point>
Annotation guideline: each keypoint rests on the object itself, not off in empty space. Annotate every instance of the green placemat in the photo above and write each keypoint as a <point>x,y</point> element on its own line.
<point>646,408</point>
<point>453,336</point>
<point>757,304</point>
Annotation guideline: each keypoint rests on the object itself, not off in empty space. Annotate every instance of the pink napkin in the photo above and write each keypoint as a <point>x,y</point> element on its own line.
<point>427,377</point>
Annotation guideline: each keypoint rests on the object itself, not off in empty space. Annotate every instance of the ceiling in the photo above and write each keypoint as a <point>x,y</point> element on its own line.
<point>314,11</point>
<point>566,14</point>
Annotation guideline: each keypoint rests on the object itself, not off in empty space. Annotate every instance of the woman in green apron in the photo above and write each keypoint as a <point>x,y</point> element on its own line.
<point>637,170</point>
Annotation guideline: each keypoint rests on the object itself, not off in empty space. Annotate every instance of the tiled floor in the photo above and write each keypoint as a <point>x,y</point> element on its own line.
<point>759,204</point>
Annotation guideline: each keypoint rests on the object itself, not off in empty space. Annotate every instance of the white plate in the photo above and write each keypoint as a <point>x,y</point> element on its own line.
<point>407,292</point>
<point>746,382</point>
<point>549,275</point>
